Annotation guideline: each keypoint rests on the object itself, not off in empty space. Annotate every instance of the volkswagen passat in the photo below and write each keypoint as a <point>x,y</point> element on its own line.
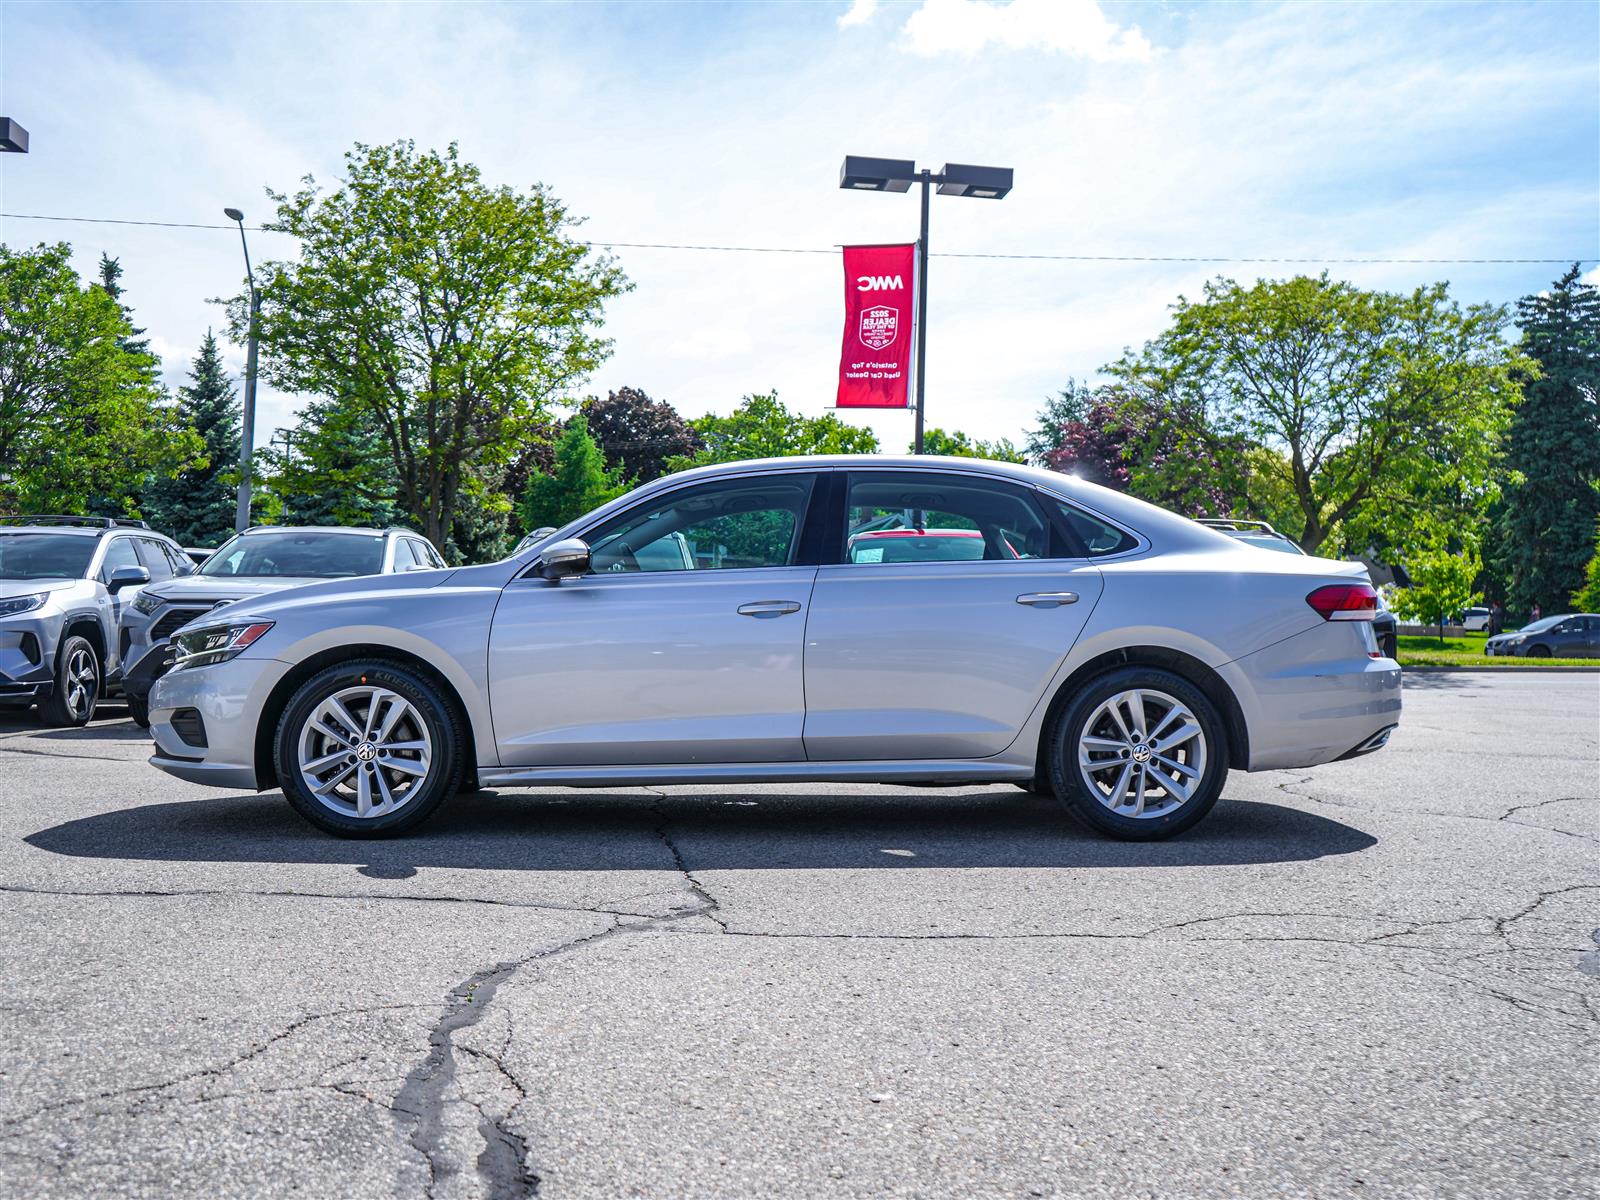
<point>1099,649</point>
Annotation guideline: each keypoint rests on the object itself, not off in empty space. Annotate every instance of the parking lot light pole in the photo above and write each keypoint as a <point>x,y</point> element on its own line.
<point>954,179</point>
<point>247,425</point>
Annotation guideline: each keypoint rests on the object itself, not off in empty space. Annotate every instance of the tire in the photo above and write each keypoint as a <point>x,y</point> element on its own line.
<point>139,710</point>
<point>1538,652</point>
<point>395,770</point>
<point>80,678</point>
<point>1101,711</point>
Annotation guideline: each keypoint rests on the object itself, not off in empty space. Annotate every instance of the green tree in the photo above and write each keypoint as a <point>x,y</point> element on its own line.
<point>1068,405</point>
<point>579,482</point>
<point>1376,405</point>
<point>196,505</point>
<point>1544,530</point>
<point>1441,586</point>
<point>452,311</point>
<point>638,435</point>
<point>81,416</point>
<point>959,445</point>
<point>762,427</point>
<point>334,469</point>
<point>134,340</point>
<point>1587,598</point>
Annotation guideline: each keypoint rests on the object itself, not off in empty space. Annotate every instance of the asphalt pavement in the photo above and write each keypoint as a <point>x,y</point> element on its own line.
<point>1377,978</point>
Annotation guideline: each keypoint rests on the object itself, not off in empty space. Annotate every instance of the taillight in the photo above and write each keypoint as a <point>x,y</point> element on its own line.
<point>1345,602</point>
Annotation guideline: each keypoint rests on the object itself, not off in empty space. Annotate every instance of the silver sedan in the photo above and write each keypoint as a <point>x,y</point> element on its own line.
<point>889,620</point>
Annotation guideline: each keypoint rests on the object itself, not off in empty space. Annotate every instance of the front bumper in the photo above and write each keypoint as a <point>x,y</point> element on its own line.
<point>224,702</point>
<point>27,658</point>
<point>142,676</point>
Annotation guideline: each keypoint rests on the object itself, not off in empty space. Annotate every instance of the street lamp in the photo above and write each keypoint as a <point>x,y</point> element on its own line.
<point>13,137</point>
<point>247,430</point>
<point>954,179</point>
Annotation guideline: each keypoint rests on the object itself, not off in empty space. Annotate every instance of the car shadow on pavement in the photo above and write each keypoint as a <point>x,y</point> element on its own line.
<point>725,830</point>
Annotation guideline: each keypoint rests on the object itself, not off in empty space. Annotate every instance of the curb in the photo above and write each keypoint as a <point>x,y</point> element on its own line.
<point>1500,670</point>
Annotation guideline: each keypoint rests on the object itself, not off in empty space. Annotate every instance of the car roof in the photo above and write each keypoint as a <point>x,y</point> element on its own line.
<point>362,530</point>
<point>878,533</point>
<point>1149,520</point>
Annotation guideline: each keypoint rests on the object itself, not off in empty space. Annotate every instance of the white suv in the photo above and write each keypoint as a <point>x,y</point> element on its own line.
<point>262,559</point>
<point>64,583</point>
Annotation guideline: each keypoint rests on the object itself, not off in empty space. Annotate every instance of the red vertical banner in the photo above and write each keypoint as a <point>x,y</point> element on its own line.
<point>879,291</point>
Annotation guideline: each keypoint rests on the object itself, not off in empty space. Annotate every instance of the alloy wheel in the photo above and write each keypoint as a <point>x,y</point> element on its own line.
<point>1142,753</point>
<point>364,752</point>
<point>82,683</point>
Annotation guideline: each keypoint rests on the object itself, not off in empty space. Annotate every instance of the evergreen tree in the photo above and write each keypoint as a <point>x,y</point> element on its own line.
<point>134,340</point>
<point>579,482</point>
<point>1544,531</point>
<point>334,469</point>
<point>197,506</point>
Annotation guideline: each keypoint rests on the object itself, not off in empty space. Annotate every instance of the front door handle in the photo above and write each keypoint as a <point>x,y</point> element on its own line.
<point>769,608</point>
<point>1047,599</point>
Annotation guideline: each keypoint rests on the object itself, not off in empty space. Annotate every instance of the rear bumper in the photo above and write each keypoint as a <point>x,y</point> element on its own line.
<point>1309,699</point>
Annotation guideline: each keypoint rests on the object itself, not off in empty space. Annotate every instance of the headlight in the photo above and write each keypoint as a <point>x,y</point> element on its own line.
<point>216,643</point>
<point>145,603</point>
<point>21,604</point>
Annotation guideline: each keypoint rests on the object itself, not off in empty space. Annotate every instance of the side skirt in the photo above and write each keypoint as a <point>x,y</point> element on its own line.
<point>872,771</point>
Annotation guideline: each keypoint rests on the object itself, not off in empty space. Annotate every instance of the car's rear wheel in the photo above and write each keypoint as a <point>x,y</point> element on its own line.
<point>1140,753</point>
<point>139,710</point>
<point>79,680</point>
<point>368,749</point>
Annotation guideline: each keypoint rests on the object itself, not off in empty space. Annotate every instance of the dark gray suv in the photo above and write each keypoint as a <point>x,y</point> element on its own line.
<point>64,582</point>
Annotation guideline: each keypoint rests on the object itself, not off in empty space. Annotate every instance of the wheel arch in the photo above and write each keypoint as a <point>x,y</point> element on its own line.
<point>278,700</point>
<point>86,626</point>
<point>1214,687</point>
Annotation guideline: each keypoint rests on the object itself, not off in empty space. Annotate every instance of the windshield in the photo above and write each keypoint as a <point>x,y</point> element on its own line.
<point>298,554</point>
<point>1541,626</point>
<point>44,555</point>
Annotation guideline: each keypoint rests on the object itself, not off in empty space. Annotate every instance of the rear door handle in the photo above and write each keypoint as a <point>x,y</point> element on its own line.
<point>1047,599</point>
<point>769,608</point>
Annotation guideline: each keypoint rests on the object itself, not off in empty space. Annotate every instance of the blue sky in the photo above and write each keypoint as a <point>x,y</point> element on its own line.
<point>1295,130</point>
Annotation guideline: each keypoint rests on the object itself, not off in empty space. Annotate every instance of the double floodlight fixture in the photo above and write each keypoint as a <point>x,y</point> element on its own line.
<point>13,137</point>
<point>898,174</point>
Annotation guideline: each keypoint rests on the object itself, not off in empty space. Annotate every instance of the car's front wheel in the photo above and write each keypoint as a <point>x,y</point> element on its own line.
<point>1140,753</point>
<point>138,710</point>
<point>79,678</point>
<point>368,749</point>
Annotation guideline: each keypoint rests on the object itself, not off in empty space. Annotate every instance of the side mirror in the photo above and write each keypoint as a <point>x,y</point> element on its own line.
<point>558,560</point>
<point>416,567</point>
<point>124,577</point>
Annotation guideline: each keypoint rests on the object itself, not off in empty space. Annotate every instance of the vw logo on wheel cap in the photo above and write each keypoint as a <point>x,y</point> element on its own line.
<point>1141,753</point>
<point>366,752</point>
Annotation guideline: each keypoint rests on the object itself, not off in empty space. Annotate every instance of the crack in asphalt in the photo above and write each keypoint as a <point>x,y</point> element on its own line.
<point>140,1092</point>
<point>183,893</point>
<point>503,1165</point>
<point>1301,782</point>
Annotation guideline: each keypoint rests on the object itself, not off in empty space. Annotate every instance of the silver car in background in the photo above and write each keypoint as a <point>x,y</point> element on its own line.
<point>1098,649</point>
<point>64,582</point>
<point>261,560</point>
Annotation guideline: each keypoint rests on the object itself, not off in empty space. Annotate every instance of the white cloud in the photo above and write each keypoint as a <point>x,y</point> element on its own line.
<point>861,11</point>
<point>1305,130</point>
<point>1075,27</point>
